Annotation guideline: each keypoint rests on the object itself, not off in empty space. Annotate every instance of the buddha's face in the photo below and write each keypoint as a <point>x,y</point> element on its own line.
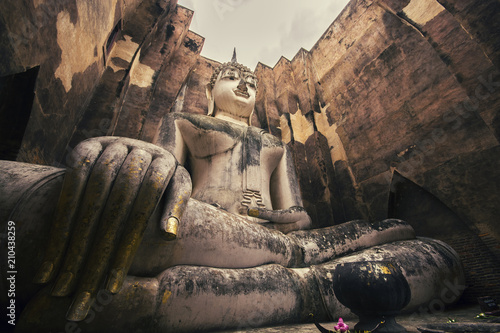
<point>234,92</point>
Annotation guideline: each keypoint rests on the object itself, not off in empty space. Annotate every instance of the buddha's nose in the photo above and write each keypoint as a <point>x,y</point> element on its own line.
<point>242,85</point>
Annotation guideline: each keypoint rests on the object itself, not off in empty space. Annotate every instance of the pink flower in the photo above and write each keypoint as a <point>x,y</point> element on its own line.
<point>341,326</point>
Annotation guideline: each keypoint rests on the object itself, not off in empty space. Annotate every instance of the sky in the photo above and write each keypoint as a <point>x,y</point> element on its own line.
<point>261,30</point>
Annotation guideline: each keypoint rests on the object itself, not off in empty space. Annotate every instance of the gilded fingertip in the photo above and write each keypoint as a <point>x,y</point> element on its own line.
<point>253,212</point>
<point>171,228</point>
<point>64,285</point>
<point>115,282</point>
<point>80,307</point>
<point>45,272</point>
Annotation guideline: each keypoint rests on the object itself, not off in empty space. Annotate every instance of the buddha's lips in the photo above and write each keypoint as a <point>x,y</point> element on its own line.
<point>241,93</point>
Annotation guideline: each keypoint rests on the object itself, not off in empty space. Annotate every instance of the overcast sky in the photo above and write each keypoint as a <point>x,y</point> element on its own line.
<point>261,30</point>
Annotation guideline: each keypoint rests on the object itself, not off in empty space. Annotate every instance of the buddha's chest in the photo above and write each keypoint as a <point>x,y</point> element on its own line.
<point>231,147</point>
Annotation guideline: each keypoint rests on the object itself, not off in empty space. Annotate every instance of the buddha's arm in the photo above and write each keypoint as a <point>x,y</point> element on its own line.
<point>285,191</point>
<point>170,137</point>
<point>287,213</point>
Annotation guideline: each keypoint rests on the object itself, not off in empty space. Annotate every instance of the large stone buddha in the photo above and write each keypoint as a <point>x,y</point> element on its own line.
<point>203,230</point>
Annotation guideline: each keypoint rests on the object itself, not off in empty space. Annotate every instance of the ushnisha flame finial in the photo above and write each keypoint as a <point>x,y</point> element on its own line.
<point>233,59</point>
<point>232,63</point>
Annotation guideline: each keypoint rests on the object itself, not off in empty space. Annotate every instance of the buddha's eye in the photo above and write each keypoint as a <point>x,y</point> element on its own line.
<point>230,74</point>
<point>251,81</point>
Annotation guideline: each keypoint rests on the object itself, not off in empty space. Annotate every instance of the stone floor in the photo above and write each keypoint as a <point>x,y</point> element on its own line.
<point>463,314</point>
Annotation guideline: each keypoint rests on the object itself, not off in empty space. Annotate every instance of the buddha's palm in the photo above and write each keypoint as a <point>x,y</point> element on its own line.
<point>109,193</point>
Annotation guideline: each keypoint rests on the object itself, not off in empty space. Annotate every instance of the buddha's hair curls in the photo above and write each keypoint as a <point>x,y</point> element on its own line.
<point>216,72</point>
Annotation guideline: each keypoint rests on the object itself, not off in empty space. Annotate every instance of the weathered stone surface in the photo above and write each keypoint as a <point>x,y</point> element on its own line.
<point>349,206</point>
<point>103,106</point>
<point>303,81</point>
<point>265,104</point>
<point>432,218</point>
<point>109,113</point>
<point>411,86</point>
<point>28,186</point>
<point>192,96</point>
<point>321,191</point>
<point>169,82</point>
<point>286,96</point>
<point>460,327</point>
<point>154,57</point>
<point>481,20</point>
<point>291,293</point>
<point>44,34</point>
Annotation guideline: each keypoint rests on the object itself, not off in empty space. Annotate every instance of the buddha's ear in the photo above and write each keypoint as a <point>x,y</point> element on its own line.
<point>211,102</point>
<point>250,118</point>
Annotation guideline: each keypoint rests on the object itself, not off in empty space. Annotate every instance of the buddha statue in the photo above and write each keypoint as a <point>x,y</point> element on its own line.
<point>202,230</point>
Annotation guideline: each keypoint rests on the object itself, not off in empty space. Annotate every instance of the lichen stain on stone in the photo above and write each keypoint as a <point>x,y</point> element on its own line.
<point>191,44</point>
<point>166,296</point>
<point>35,155</point>
<point>170,31</point>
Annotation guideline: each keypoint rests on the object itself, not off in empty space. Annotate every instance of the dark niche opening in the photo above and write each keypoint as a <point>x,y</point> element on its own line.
<point>16,100</point>
<point>110,42</point>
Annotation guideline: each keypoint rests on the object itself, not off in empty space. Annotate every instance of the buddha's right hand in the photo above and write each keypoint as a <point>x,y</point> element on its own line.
<point>109,193</point>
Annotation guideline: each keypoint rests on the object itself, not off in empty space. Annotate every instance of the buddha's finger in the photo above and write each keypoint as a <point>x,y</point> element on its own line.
<point>156,180</point>
<point>94,199</point>
<point>83,159</point>
<point>290,215</point>
<point>177,196</point>
<point>116,211</point>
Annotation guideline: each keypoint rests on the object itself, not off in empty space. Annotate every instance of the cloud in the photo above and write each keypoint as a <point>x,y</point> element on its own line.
<point>187,3</point>
<point>304,26</point>
<point>307,26</point>
<point>267,55</point>
<point>261,30</point>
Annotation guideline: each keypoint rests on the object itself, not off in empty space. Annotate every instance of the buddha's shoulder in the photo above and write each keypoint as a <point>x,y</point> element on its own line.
<point>268,140</point>
<point>204,123</point>
<point>271,140</point>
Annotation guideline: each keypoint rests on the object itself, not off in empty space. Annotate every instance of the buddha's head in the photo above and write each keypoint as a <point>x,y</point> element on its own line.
<point>232,89</point>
